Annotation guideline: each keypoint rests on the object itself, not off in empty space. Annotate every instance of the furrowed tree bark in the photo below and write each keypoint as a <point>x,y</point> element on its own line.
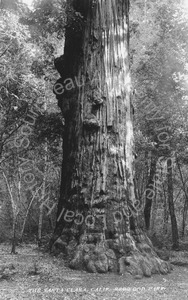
<point>96,218</point>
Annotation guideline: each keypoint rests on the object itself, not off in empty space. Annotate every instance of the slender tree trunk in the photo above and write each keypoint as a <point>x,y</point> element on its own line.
<point>27,212</point>
<point>43,191</point>
<point>15,217</point>
<point>153,213</point>
<point>149,189</point>
<point>166,213</point>
<point>175,236</point>
<point>97,191</point>
<point>186,197</point>
<point>44,181</point>
<point>185,209</point>
<point>164,199</point>
<point>14,213</point>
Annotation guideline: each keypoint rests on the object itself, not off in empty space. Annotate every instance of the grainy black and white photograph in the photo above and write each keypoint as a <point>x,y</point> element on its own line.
<point>93,149</point>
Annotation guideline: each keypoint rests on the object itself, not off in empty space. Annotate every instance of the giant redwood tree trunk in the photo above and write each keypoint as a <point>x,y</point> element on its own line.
<point>96,218</point>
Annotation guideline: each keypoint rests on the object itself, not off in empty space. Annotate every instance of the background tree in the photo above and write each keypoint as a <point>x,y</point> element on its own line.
<point>28,120</point>
<point>158,66</point>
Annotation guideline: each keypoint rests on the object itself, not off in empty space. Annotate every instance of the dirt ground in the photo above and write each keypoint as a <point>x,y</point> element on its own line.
<point>32,274</point>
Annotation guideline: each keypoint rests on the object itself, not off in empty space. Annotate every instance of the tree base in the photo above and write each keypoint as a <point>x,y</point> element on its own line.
<point>132,254</point>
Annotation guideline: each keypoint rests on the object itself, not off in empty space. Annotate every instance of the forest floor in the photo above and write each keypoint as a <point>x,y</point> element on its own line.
<point>32,274</point>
